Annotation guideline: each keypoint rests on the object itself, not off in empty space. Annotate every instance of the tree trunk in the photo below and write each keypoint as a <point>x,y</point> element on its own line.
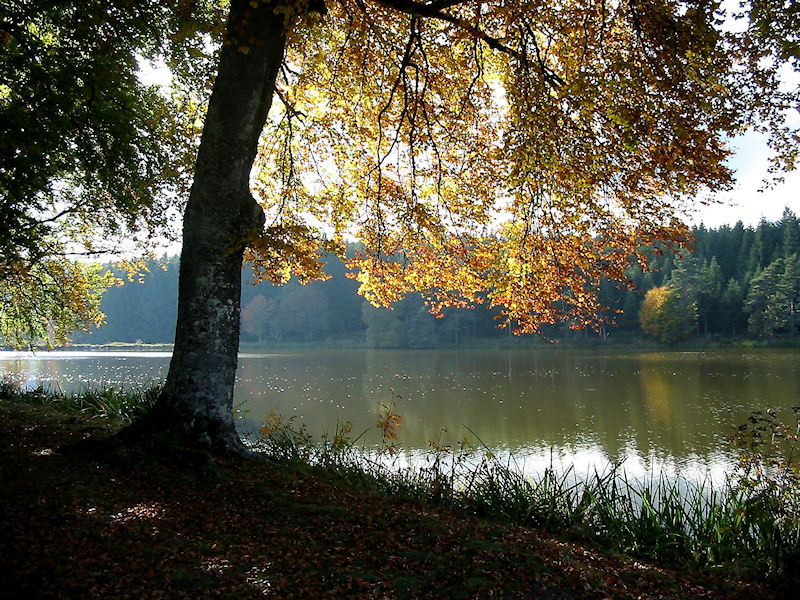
<point>195,409</point>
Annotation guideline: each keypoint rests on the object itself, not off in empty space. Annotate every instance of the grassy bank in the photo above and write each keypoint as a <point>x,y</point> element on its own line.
<point>119,405</point>
<point>328,521</point>
<point>747,527</point>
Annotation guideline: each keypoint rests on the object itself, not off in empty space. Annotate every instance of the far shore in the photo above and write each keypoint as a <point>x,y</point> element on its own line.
<point>696,343</point>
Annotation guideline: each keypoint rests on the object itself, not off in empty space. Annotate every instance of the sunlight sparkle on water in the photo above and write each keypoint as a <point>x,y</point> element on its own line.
<point>651,412</point>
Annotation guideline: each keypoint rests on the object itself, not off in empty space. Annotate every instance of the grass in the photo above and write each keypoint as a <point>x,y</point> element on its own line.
<point>748,528</point>
<point>119,404</point>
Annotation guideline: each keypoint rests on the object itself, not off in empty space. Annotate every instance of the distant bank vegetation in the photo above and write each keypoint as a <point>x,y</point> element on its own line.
<point>740,282</point>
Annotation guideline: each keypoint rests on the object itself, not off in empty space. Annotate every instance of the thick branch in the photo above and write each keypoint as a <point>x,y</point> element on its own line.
<point>434,10</point>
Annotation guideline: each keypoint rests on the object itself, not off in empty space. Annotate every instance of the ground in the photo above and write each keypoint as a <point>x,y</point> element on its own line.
<point>73,525</point>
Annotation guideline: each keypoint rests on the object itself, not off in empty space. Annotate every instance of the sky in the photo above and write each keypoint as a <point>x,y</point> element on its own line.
<point>749,201</point>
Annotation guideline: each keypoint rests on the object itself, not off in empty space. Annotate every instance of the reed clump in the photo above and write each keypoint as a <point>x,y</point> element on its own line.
<point>111,402</point>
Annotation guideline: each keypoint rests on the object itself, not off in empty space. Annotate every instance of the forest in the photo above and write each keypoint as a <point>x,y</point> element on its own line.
<point>738,282</point>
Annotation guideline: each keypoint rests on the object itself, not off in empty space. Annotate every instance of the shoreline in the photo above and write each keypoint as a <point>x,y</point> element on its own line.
<point>154,528</point>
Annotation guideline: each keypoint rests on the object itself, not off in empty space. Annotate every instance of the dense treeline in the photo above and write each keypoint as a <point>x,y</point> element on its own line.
<point>140,309</point>
<point>739,281</point>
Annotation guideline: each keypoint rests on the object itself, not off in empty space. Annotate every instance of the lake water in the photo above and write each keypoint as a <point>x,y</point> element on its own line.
<point>656,411</point>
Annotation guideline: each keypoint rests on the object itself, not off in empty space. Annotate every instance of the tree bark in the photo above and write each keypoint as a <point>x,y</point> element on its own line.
<point>195,408</point>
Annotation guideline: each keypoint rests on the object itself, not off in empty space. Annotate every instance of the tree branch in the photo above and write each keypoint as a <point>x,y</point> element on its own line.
<point>434,10</point>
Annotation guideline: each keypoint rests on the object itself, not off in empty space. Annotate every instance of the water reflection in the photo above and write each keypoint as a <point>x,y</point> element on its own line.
<point>74,371</point>
<point>654,407</point>
<point>651,409</point>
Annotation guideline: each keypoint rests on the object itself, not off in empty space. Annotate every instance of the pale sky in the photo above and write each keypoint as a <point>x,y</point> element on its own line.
<point>745,202</point>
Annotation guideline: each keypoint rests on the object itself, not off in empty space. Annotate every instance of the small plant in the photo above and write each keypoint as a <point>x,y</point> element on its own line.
<point>340,441</point>
<point>768,488</point>
<point>340,448</point>
<point>444,464</point>
<point>389,424</point>
<point>8,388</point>
<point>283,440</point>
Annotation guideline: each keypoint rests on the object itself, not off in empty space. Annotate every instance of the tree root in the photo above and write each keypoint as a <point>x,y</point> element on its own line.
<point>148,438</point>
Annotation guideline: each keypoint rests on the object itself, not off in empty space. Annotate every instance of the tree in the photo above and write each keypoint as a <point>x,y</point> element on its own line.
<point>88,155</point>
<point>417,121</point>
<point>790,284</point>
<point>772,297</point>
<point>732,308</point>
<point>303,314</point>
<point>384,327</point>
<point>698,282</point>
<point>666,316</point>
<point>791,232</point>
<point>507,153</point>
<point>48,300</point>
<point>255,317</point>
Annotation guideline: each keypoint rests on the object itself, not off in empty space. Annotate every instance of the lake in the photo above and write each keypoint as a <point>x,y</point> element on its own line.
<point>656,411</point>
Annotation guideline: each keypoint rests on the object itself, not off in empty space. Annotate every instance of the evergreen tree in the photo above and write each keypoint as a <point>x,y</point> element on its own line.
<point>732,318</point>
<point>766,302</point>
<point>791,233</point>
<point>744,270</point>
<point>790,286</point>
<point>699,284</point>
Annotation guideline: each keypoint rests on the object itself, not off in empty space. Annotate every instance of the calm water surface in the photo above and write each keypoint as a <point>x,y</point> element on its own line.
<point>653,410</point>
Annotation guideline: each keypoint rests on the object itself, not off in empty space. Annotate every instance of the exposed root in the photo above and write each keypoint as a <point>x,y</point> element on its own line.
<point>195,444</point>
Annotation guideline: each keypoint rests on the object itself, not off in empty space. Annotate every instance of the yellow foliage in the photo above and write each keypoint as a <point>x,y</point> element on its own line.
<point>44,303</point>
<point>665,316</point>
<point>273,422</point>
<point>509,153</point>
